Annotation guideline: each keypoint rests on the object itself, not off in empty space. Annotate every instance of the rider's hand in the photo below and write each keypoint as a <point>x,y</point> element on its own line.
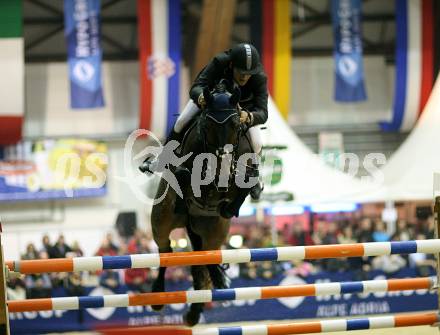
<point>201,101</point>
<point>244,116</point>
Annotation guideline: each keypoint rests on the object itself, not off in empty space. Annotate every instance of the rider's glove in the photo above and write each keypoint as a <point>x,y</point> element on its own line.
<point>201,101</point>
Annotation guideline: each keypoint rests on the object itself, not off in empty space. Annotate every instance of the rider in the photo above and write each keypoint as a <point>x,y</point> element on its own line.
<point>240,65</point>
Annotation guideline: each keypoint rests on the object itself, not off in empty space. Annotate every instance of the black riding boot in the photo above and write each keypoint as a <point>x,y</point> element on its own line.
<point>145,167</point>
<point>258,187</point>
<point>228,210</point>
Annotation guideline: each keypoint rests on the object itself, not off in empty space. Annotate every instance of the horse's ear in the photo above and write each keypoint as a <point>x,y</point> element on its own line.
<point>207,95</point>
<point>235,97</point>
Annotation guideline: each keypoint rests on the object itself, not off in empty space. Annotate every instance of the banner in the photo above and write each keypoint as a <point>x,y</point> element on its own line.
<point>159,61</point>
<point>275,42</point>
<point>345,305</point>
<point>415,74</point>
<point>349,72</point>
<point>82,31</point>
<point>12,71</point>
<point>53,169</point>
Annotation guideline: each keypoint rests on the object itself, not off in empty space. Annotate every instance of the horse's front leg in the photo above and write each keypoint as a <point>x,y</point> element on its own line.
<point>162,223</point>
<point>159,282</point>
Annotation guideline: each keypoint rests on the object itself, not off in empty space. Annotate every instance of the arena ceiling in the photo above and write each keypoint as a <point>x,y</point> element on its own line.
<point>311,32</point>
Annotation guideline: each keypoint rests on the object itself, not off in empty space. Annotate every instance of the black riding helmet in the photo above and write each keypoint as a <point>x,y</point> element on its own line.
<point>245,58</point>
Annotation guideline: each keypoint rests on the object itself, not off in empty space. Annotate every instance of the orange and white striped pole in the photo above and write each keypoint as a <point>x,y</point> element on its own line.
<point>4,318</point>
<point>204,296</point>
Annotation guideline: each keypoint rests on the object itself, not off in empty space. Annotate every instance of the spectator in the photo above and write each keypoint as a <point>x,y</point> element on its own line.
<point>46,245</point>
<point>138,279</point>
<point>31,252</point>
<point>389,264</point>
<point>423,263</point>
<point>365,232</point>
<point>299,237</point>
<point>74,284</point>
<point>402,232</point>
<point>380,233</point>
<point>346,236</point>
<point>301,268</point>
<point>60,248</point>
<point>38,286</point>
<point>319,234</point>
<point>16,289</point>
<point>76,250</point>
<point>110,242</point>
<point>110,279</point>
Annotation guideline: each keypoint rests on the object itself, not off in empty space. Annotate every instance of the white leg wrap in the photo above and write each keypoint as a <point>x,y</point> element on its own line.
<point>188,113</point>
<point>255,138</point>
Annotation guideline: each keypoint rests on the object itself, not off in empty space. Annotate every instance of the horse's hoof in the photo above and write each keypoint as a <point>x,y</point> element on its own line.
<point>157,308</point>
<point>191,318</point>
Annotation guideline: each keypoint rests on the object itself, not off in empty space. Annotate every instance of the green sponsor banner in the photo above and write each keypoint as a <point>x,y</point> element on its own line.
<point>11,18</point>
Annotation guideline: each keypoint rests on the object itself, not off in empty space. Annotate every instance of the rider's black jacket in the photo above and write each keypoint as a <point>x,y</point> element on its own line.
<point>253,93</point>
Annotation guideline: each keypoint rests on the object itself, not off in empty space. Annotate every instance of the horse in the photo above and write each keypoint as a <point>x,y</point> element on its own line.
<point>217,134</point>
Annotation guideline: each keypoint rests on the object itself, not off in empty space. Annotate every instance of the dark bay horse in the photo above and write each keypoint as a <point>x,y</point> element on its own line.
<point>219,137</point>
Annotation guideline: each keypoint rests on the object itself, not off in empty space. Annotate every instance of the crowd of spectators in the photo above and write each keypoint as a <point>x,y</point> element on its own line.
<point>254,236</point>
<point>335,232</point>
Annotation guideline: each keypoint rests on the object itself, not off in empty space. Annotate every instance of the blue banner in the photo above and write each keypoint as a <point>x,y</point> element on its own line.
<point>349,72</point>
<point>223,312</point>
<point>82,31</point>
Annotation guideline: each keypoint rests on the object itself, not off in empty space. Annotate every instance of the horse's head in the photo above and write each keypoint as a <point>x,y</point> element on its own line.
<point>220,120</point>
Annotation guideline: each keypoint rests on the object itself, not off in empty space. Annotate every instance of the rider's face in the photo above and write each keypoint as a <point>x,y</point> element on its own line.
<point>240,78</point>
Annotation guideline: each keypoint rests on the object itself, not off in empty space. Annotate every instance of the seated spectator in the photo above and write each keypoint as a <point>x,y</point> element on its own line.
<point>74,285</point>
<point>111,244</point>
<point>38,286</point>
<point>365,231</point>
<point>60,248</point>
<point>299,237</point>
<point>424,264</point>
<point>301,268</point>
<point>31,252</point>
<point>402,232</point>
<point>76,251</point>
<point>110,279</point>
<point>106,249</point>
<point>268,270</point>
<point>138,279</point>
<point>16,289</point>
<point>380,232</point>
<point>346,235</point>
<point>389,264</point>
<point>46,245</point>
<point>248,270</point>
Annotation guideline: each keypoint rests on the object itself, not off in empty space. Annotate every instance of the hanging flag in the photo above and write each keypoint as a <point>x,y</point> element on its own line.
<point>159,59</point>
<point>415,76</point>
<point>82,31</point>
<point>273,39</point>
<point>349,70</point>
<point>12,72</point>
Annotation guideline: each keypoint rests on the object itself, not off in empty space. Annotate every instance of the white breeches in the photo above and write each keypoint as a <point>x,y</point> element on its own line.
<point>191,110</point>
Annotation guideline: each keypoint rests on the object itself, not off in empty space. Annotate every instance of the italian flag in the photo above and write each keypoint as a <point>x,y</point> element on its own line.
<point>12,71</point>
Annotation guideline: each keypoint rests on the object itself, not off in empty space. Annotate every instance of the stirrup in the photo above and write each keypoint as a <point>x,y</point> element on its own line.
<point>145,167</point>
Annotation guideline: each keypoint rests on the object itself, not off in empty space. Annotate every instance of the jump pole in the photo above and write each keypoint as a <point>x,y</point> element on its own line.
<point>229,256</point>
<point>325,326</point>
<point>4,318</point>
<point>436,191</point>
<point>204,296</point>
